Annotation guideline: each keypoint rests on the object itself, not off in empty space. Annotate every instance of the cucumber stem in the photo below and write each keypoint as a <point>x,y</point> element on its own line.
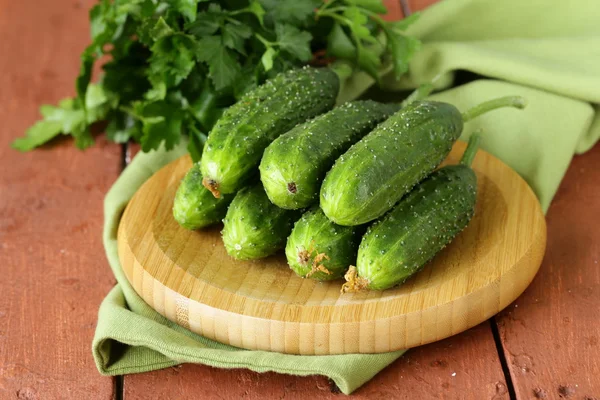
<point>213,186</point>
<point>354,283</point>
<point>419,94</point>
<point>508,101</point>
<point>471,150</point>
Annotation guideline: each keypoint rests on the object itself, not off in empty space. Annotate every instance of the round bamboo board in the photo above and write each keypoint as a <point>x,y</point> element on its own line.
<point>189,278</point>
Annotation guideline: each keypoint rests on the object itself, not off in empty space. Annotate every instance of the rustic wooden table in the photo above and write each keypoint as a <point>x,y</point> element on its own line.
<point>54,274</point>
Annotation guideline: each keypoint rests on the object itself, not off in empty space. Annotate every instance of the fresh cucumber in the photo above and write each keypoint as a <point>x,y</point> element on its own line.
<point>254,227</point>
<point>377,171</point>
<point>195,207</point>
<point>294,165</point>
<point>236,143</point>
<point>319,249</point>
<point>422,224</point>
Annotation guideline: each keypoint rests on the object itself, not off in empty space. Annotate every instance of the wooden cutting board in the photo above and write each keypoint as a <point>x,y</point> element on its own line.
<point>189,278</point>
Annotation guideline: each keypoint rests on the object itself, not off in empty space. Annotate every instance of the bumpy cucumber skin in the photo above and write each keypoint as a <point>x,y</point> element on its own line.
<point>378,170</point>
<point>293,166</point>
<point>236,143</point>
<point>195,207</point>
<point>314,231</point>
<point>254,227</point>
<point>423,223</point>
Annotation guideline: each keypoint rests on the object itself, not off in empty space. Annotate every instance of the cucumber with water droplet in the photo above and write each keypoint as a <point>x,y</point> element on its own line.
<point>254,227</point>
<point>383,166</point>
<point>319,249</point>
<point>237,141</point>
<point>423,223</point>
<point>194,206</point>
<point>294,165</point>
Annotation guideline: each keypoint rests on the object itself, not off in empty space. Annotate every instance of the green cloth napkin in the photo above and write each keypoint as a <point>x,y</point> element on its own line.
<point>545,50</point>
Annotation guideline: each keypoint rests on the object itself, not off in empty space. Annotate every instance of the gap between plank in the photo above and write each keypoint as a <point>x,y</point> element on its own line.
<point>405,8</point>
<point>500,349</point>
<point>120,379</point>
<point>119,387</point>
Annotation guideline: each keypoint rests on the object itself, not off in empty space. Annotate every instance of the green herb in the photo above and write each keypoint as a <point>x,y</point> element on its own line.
<point>175,65</point>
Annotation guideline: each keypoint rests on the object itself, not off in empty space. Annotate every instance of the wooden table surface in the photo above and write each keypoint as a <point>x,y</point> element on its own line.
<point>54,274</point>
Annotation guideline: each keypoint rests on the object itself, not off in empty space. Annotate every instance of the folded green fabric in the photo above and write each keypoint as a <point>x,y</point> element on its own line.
<point>547,49</point>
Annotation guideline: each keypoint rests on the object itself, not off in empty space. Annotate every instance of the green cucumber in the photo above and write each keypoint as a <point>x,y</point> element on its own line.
<point>195,207</point>
<point>378,170</point>
<point>236,143</point>
<point>319,249</point>
<point>254,227</point>
<point>423,223</point>
<point>294,165</point>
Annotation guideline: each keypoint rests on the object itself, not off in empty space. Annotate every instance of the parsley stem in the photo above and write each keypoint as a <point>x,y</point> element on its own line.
<point>264,41</point>
<point>334,9</point>
<point>382,24</point>
<point>335,16</point>
<point>325,6</point>
<point>240,11</point>
<point>347,22</point>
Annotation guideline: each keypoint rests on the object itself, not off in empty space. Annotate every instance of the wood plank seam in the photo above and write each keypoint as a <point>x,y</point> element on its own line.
<point>503,362</point>
<point>119,380</point>
<point>405,7</point>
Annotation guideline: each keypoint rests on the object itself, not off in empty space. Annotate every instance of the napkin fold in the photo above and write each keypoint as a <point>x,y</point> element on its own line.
<point>547,51</point>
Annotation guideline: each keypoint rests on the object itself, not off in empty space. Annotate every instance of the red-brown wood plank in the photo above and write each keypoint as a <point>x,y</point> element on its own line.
<point>418,5</point>
<point>54,274</point>
<point>394,10</point>
<point>551,334</point>
<point>462,367</point>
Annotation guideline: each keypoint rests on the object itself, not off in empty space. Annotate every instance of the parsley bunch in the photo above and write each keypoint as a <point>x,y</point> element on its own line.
<point>175,65</point>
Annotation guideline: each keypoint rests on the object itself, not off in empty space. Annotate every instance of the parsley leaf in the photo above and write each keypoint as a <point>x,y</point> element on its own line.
<point>267,58</point>
<point>294,41</point>
<point>173,58</point>
<point>42,131</point>
<point>222,65</point>
<point>161,122</point>
<point>123,127</point>
<point>173,66</point>
<point>294,12</point>
<point>369,61</point>
<point>339,44</point>
<point>402,48</point>
<point>187,8</point>
<point>358,24</point>
<point>125,76</point>
<point>235,35</point>
<point>207,22</point>
<point>68,118</point>
<point>256,9</point>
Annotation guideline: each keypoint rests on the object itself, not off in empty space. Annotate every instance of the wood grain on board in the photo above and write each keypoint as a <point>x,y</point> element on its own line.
<point>53,269</point>
<point>188,277</point>
<point>551,334</point>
